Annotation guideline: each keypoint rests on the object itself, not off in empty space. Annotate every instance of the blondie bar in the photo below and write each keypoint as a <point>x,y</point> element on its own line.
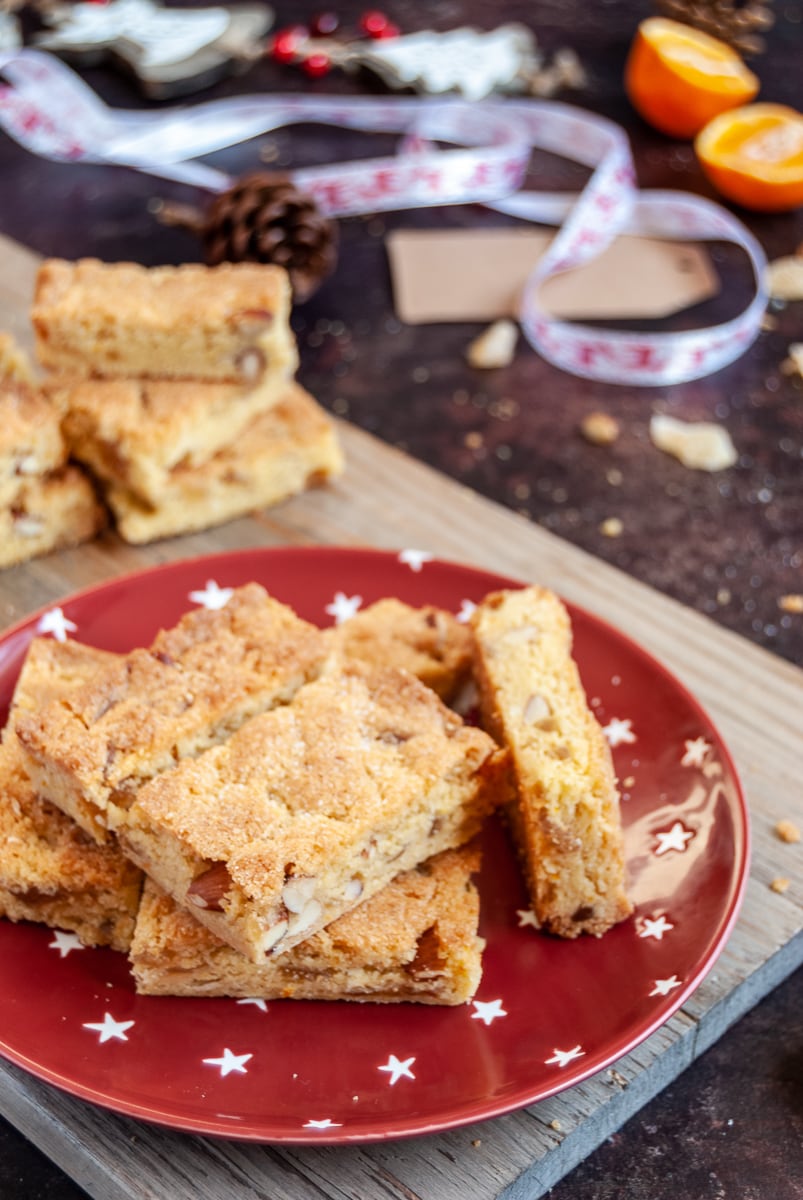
<point>313,807</point>
<point>565,817</point>
<point>416,940</point>
<point>50,871</point>
<point>15,366</point>
<point>132,433</point>
<point>119,319</point>
<point>31,443</point>
<point>47,513</point>
<point>292,447</point>
<point>428,642</point>
<point>196,683</point>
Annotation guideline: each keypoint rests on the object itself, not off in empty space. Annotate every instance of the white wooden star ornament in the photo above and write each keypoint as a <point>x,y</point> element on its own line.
<point>55,622</point>
<point>213,596</point>
<point>108,1028</point>
<point>398,1069</point>
<point>487,1011</point>
<point>562,1058</point>
<point>229,1062</point>
<point>675,838</point>
<point>343,607</point>
<point>65,942</point>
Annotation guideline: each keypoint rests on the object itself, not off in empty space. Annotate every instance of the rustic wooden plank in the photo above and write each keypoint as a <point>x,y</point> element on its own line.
<point>388,500</point>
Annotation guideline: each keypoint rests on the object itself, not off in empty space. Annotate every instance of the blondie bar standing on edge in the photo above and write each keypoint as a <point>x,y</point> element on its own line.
<point>416,940</point>
<point>313,807</point>
<point>193,322</point>
<point>50,871</point>
<point>198,682</point>
<point>565,818</point>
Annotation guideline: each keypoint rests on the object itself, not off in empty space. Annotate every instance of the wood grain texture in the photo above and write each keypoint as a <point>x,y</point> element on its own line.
<point>387,500</point>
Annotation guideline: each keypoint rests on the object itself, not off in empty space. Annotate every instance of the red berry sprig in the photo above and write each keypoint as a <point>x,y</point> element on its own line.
<point>312,46</point>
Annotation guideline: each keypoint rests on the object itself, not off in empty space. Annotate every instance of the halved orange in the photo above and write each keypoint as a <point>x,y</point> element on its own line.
<point>754,156</point>
<point>678,78</point>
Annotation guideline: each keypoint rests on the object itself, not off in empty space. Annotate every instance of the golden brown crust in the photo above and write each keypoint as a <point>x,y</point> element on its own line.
<point>196,683</point>
<point>31,443</point>
<point>565,818</point>
<point>47,513</point>
<point>282,452</point>
<point>133,432</point>
<point>50,871</point>
<point>310,808</point>
<point>428,642</point>
<point>416,940</point>
<point>117,319</point>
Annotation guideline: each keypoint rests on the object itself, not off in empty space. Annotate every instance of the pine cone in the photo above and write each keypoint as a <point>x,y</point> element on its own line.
<point>737,22</point>
<point>264,218</point>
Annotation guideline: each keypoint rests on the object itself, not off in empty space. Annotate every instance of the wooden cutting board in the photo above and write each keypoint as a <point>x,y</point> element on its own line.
<point>387,500</point>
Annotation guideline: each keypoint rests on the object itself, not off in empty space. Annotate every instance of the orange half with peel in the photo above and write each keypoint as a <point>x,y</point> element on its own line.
<point>754,156</point>
<point>678,78</point>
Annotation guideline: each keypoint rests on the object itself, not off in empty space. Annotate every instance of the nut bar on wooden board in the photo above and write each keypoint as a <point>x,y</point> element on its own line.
<point>191,688</point>
<point>283,451</point>
<point>50,870</point>
<point>226,323</point>
<point>415,940</point>
<point>310,808</point>
<point>565,817</point>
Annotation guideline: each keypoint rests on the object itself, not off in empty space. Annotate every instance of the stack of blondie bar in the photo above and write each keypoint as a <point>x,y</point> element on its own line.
<point>45,502</point>
<point>176,389</point>
<point>301,804</point>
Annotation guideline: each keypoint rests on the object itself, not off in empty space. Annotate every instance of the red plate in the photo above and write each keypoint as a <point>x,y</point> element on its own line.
<point>547,1014</point>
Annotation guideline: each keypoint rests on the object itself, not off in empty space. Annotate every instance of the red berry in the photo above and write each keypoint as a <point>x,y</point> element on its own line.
<point>325,24</point>
<point>373,23</point>
<point>390,31</point>
<point>317,65</point>
<point>286,43</point>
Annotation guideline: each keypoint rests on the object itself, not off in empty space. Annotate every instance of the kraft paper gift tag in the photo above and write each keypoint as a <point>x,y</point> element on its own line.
<point>478,275</point>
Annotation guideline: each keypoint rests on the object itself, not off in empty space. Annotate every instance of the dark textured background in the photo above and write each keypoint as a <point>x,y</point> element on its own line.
<point>728,544</point>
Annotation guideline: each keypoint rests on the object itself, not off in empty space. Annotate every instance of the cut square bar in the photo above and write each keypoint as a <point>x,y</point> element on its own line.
<point>565,818</point>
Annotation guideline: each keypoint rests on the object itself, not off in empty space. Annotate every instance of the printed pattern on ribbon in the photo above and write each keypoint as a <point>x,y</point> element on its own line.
<point>51,112</point>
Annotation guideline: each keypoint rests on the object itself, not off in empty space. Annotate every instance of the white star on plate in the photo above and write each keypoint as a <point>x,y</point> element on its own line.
<point>109,1028</point>
<point>696,752</point>
<point>256,1001</point>
<point>654,927</point>
<point>467,607</point>
<point>673,839</point>
<point>343,607</point>
<point>618,731</point>
<point>415,559</point>
<point>664,986</point>
<point>527,917</point>
<point>212,595</point>
<point>562,1057</point>
<point>55,622</point>
<point>65,942</point>
<point>228,1062</point>
<point>326,1123</point>
<point>397,1069</point>
<point>487,1010</point>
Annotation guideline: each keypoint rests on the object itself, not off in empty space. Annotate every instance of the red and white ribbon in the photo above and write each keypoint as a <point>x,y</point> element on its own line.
<point>52,112</point>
